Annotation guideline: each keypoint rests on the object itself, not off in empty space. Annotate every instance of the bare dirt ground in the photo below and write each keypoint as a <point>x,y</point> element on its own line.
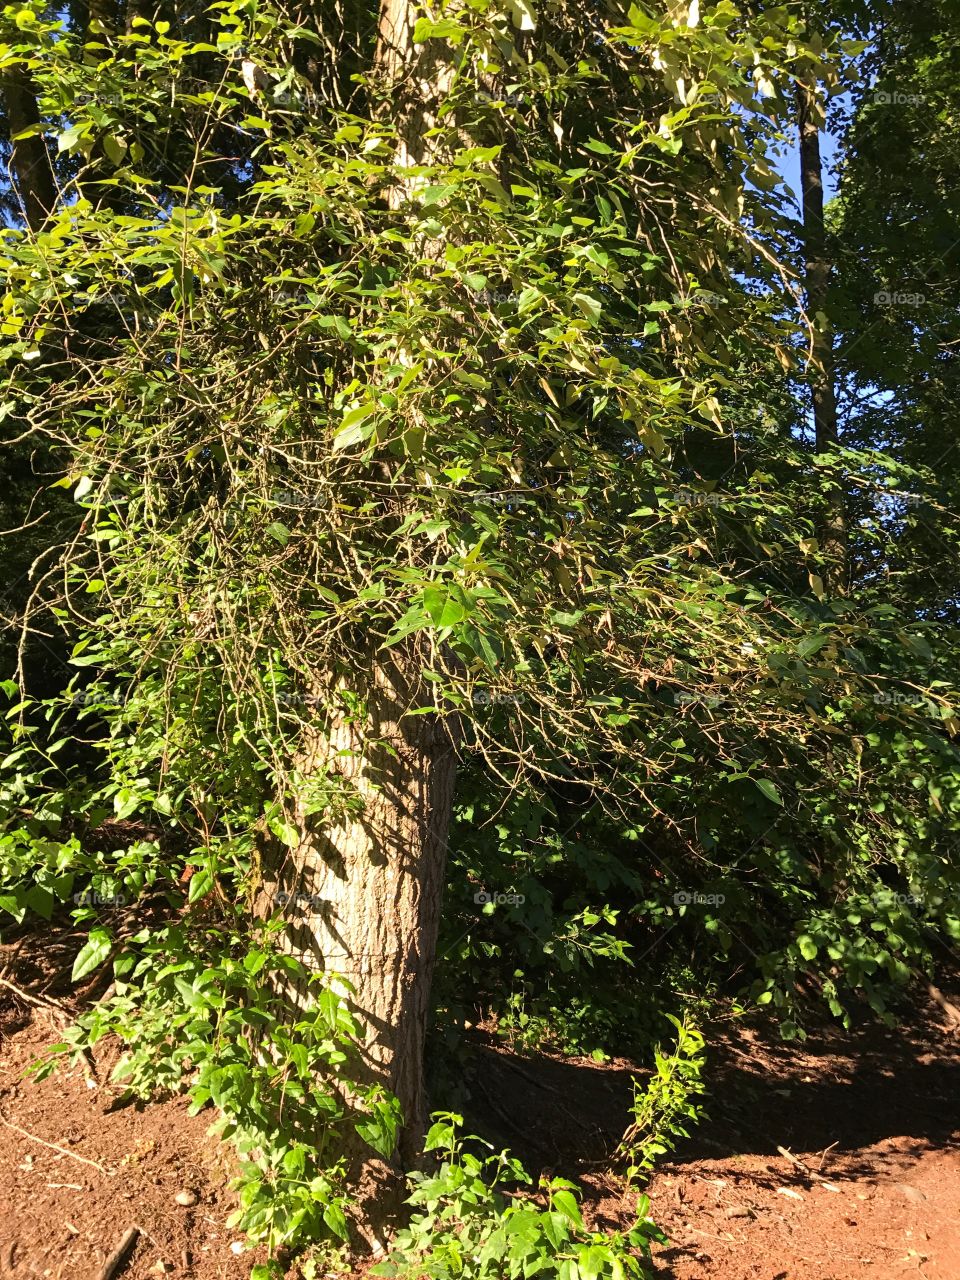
<point>875,1123</point>
<point>872,1117</point>
<point>76,1175</point>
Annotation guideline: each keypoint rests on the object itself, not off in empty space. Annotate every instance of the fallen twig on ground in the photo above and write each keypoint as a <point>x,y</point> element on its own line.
<point>120,1254</point>
<point>52,1146</point>
<point>951,1010</point>
<point>795,1160</point>
<point>45,1002</point>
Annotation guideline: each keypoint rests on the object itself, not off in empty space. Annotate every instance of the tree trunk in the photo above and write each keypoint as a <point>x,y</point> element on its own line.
<point>370,883</point>
<point>418,77</point>
<point>363,896</point>
<point>817,277</point>
<point>30,166</point>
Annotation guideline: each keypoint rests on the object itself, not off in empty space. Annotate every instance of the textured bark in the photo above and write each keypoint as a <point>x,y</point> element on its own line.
<point>817,278</point>
<point>417,78</point>
<point>30,166</point>
<point>366,894</point>
<point>369,884</point>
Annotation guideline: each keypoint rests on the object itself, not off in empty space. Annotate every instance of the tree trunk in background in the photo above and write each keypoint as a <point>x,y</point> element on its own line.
<point>817,276</point>
<point>30,168</point>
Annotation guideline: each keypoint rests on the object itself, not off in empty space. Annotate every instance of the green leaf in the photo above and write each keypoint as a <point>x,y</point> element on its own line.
<point>810,645</point>
<point>564,619</point>
<point>444,29</point>
<point>201,882</point>
<point>589,306</point>
<point>92,954</point>
<point>352,430</point>
<point>808,948</point>
<point>445,610</point>
<point>40,900</point>
<point>70,138</point>
<point>285,832</point>
<point>15,904</point>
<point>115,148</point>
<point>565,1202</point>
<point>769,790</point>
<point>125,802</point>
<point>591,1260</point>
<point>334,1218</point>
<point>599,148</point>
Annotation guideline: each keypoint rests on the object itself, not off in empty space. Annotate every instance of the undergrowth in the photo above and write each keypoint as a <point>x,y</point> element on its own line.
<point>469,1225</point>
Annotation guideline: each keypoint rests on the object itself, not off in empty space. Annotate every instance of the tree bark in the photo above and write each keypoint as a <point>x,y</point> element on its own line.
<point>364,896</point>
<point>370,882</point>
<point>417,77</point>
<point>817,278</point>
<point>30,167</point>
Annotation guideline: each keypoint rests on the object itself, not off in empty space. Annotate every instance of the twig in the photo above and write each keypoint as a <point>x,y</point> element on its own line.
<point>950,1009</point>
<point>809,1173</point>
<point>120,1254</point>
<point>53,1147</point>
<point>45,1002</point>
<point>824,1154</point>
<point>17,946</point>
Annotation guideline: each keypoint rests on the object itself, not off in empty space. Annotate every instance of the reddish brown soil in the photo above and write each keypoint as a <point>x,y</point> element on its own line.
<point>875,1113</point>
<point>878,1118</point>
<point>64,1212</point>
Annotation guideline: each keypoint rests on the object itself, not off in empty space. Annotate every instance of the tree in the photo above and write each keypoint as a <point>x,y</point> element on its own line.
<point>28,152</point>
<point>817,280</point>
<point>369,415</point>
<point>896,223</point>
